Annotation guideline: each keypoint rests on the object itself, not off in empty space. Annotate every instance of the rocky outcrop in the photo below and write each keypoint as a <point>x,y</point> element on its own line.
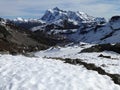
<point>103,47</point>
<point>115,22</point>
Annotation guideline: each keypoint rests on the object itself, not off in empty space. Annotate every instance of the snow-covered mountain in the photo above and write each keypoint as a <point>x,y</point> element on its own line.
<point>69,19</point>
<point>26,23</point>
<point>89,29</point>
<point>74,26</point>
<point>107,33</point>
<point>20,19</point>
<point>56,15</point>
<point>61,22</point>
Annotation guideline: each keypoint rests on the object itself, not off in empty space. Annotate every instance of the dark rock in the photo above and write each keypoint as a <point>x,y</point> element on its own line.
<point>1,35</point>
<point>114,18</point>
<point>93,49</point>
<point>103,47</point>
<point>13,52</point>
<point>115,78</point>
<point>103,65</point>
<point>101,55</point>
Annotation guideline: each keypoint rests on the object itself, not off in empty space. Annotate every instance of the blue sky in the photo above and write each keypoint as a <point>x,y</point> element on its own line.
<point>36,8</point>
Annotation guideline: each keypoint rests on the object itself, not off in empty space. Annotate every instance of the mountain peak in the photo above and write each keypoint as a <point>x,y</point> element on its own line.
<point>56,8</point>
<point>56,14</point>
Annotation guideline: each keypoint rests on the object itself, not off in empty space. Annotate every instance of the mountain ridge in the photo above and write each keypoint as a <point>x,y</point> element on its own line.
<point>74,26</point>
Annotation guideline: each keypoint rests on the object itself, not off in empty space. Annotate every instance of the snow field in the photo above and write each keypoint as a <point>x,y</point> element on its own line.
<point>24,73</point>
<point>109,65</point>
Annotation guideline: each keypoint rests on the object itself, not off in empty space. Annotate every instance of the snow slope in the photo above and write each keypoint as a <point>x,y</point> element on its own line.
<point>32,73</point>
<point>109,65</point>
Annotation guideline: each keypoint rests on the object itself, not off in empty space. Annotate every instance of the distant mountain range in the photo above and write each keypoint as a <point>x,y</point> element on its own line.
<point>58,26</point>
